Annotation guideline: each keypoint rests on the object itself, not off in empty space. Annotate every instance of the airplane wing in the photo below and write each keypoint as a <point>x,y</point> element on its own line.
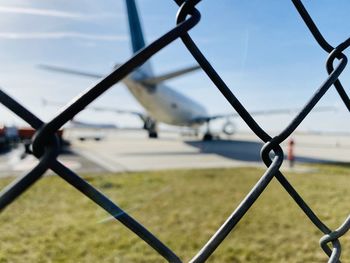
<point>141,115</point>
<point>146,81</point>
<point>71,71</point>
<point>158,79</point>
<point>262,113</point>
<point>82,124</point>
<point>64,70</point>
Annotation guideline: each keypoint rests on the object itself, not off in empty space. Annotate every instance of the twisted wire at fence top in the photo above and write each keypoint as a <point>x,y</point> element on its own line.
<point>46,144</point>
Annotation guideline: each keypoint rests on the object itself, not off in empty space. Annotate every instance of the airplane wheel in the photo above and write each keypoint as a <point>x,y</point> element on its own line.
<point>153,135</point>
<point>207,137</point>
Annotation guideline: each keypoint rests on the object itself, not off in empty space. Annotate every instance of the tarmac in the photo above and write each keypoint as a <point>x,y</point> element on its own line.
<point>132,150</point>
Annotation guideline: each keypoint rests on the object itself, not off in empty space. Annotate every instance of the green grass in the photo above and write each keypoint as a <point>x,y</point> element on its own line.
<point>52,222</point>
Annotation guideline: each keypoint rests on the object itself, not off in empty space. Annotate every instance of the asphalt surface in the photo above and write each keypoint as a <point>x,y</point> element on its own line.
<point>14,163</point>
<point>120,151</point>
<point>133,151</point>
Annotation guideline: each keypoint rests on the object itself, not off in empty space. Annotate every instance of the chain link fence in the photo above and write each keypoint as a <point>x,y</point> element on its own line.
<point>46,144</point>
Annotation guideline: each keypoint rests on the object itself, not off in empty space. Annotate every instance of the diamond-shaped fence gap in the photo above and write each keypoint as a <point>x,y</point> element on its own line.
<point>45,145</point>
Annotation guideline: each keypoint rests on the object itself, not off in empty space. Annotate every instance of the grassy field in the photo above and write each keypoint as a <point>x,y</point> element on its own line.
<point>52,222</point>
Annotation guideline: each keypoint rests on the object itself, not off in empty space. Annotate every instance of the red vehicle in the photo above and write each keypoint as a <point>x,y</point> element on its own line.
<point>8,136</point>
<point>11,135</point>
<point>4,143</point>
<point>26,133</point>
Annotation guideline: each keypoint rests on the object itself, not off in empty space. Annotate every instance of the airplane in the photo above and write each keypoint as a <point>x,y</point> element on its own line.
<point>162,103</point>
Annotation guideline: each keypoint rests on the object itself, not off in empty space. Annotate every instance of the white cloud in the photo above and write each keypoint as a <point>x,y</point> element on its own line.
<point>50,13</point>
<point>60,35</point>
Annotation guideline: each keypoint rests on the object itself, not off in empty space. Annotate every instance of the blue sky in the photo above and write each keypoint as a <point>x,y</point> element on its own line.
<point>262,49</point>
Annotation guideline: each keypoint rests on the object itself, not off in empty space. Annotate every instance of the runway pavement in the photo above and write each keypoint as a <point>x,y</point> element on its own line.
<point>14,163</point>
<point>133,151</point>
<point>120,150</point>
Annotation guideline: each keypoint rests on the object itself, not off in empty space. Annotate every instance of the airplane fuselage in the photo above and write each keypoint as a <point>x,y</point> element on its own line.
<point>166,105</point>
<point>162,103</point>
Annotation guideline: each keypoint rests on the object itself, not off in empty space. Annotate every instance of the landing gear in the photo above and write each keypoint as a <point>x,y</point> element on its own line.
<point>151,126</point>
<point>152,135</point>
<point>208,136</point>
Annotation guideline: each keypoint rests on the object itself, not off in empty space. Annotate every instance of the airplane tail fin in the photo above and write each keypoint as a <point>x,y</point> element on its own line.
<point>136,33</point>
<point>137,38</point>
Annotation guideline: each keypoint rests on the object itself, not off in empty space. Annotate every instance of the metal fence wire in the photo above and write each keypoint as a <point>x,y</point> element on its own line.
<point>46,145</point>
